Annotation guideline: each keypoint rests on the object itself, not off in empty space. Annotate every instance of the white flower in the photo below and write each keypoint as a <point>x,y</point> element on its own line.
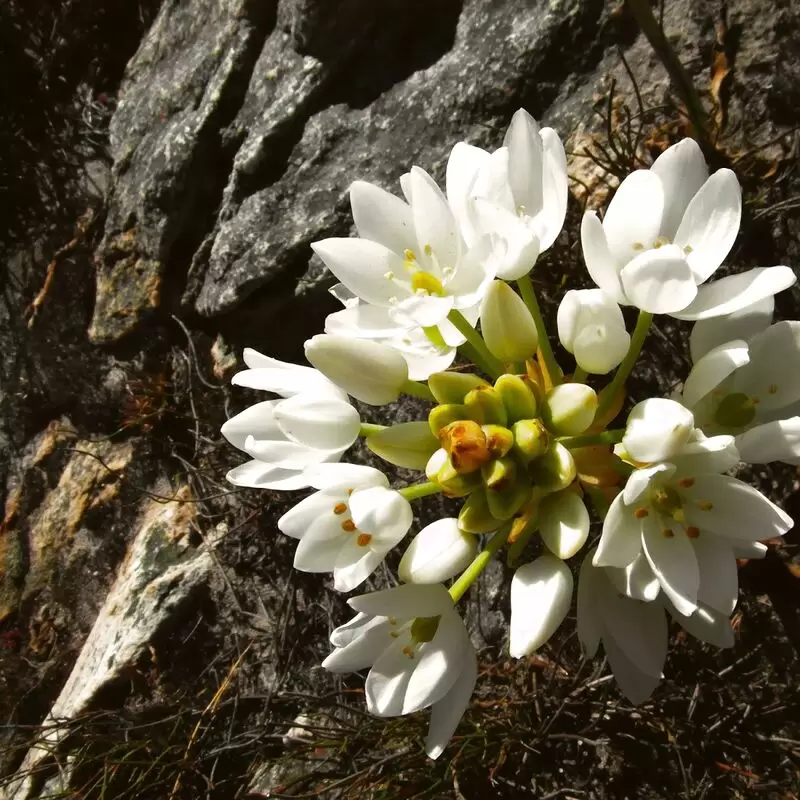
<point>518,193</point>
<point>315,423</point>
<point>439,551</point>
<point>666,231</point>
<point>506,324</point>
<point>419,654</point>
<point>410,257</point>
<point>689,521</point>
<point>633,633</point>
<point>360,320</point>
<point>569,409</point>
<point>349,525</point>
<point>591,327</point>
<point>749,385</point>
<point>372,372</point>
<point>657,429</point>
<point>541,593</point>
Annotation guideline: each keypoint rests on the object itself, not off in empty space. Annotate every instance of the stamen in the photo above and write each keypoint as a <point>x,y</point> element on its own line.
<point>394,634</point>
<point>668,533</point>
<point>348,525</point>
<point>705,505</point>
<point>410,255</point>
<point>389,275</point>
<point>679,515</point>
<point>688,249</point>
<point>340,508</point>
<point>772,388</point>
<point>408,651</point>
<point>392,620</point>
<point>638,246</point>
<point>363,539</point>
<point>692,532</point>
<point>428,250</point>
<point>686,483</point>
<point>641,513</point>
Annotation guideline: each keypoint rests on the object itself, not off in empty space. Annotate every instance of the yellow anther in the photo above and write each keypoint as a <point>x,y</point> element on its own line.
<point>641,513</point>
<point>394,634</point>
<point>389,275</point>
<point>392,620</point>
<point>363,539</point>
<point>679,515</point>
<point>428,250</point>
<point>772,388</point>
<point>692,532</point>
<point>638,246</point>
<point>705,505</point>
<point>688,249</point>
<point>348,526</point>
<point>668,533</point>
<point>408,651</point>
<point>686,483</point>
<point>410,255</point>
<point>340,508</point>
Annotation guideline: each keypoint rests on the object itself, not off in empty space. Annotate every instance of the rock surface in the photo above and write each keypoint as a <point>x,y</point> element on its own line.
<point>235,134</point>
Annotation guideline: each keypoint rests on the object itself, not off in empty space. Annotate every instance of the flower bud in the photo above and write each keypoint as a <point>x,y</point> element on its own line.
<point>485,406</point>
<point>452,387</point>
<point>442,473</point>
<point>409,444</point>
<point>509,498</point>
<point>499,440</point>
<point>657,429</point>
<point>499,474</point>
<point>506,324</point>
<point>555,470</point>
<point>531,439</point>
<point>569,409</point>
<point>441,416</point>
<point>541,593</point>
<point>465,442</point>
<point>369,371</point>
<point>475,516</point>
<point>517,397</point>
<point>438,552</point>
<point>563,523</point>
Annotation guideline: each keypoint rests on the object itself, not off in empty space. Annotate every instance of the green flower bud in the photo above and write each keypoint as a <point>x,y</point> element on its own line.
<point>569,409</point>
<point>441,416</point>
<point>505,503</point>
<point>408,445</point>
<point>452,387</point>
<point>517,397</point>
<point>531,439</point>
<point>506,324</point>
<point>555,470</point>
<point>475,516</point>
<point>485,406</point>
<point>499,440</point>
<point>499,474</point>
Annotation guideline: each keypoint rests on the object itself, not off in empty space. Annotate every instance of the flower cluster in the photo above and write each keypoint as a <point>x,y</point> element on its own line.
<point>527,448</point>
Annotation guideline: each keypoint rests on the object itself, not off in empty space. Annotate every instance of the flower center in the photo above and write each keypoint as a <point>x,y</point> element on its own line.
<point>736,410</point>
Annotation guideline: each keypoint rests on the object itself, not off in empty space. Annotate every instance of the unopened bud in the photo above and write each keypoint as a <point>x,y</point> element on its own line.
<point>409,444</point>
<point>531,439</point>
<point>517,397</point>
<point>452,387</point>
<point>438,552</point>
<point>569,409</point>
<point>555,470</point>
<point>442,473</point>
<point>499,440</point>
<point>475,516</point>
<point>485,406</point>
<point>506,502</point>
<point>506,324</point>
<point>499,474</point>
<point>465,441</point>
<point>441,416</point>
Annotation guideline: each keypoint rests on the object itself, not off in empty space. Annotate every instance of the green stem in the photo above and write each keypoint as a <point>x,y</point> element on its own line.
<point>580,375</point>
<point>589,439</point>
<point>490,364</point>
<point>637,340</point>
<point>417,389</point>
<point>529,298</point>
<point>470,574</point>
<point>368,428</point>
<point>643,13</point>
<point>417,490</point>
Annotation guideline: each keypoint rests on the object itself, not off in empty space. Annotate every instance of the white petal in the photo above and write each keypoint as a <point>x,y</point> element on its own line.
<point>354,564</point>
<point>705,624</point>
<point>381,217</point>
<point>636,685</point>
<point>601,348</point>
<point>363,321</point>
<point>422,357</point>
<point>736,292</point>
<point>550,219</point>
<point>541,593</point>
<point>350,631</point>
<point>446,713</point>
<point>299,519</point>
<point>345,477</point>
<point>388,679</point>
<point>682,170</point>
<point>590,623</point>
<point>719,581</point>
<point>425,311</point>
<point>774,441</point>
<point>707,455</point>
<point>475,271</point>
<point>285,382</point>
<point>362,266</point>
<point>640,480</point>
<point>744,324</point>
<point>738,510</point>
<point>361,651</point>
<point>520,242</point>
<point>343,295</point>
<point>621,540</point>
<point>657,429</point>
<point>602,267</point>
<point>406,601</point>
<point>434,222</point>
<point>637,580</point>
<point>711,223</point>
<point>438,552</point>
<point>256,360</point>
<point>383,513</point>
<point>319,549</point>
<point>258,475</point>
<point>634,216</point>
<point>742,549</point>
<point>773,374</point>
<point>286,454</point>
<point>525,162</point>
<point>463,166</point>
<point>321,422</point>
<point>659,281</point>
<point>564,523</point>
<point>713,368</point>
<point>257,421</point>
<point>673,562</point>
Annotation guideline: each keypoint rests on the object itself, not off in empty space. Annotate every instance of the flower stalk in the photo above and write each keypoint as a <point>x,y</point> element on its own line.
<point>529,297</point>
<point>471,573</point>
